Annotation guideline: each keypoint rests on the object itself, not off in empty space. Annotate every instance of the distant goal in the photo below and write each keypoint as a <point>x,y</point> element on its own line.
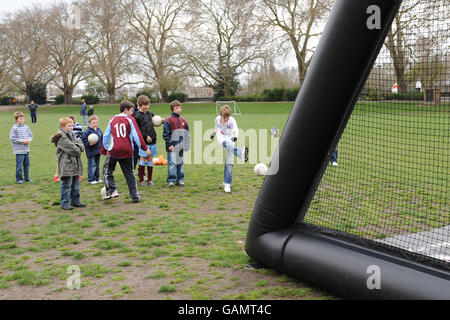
<point>232,104</point>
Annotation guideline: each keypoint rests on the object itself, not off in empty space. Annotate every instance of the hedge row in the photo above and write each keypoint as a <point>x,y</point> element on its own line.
<point>276,94</point>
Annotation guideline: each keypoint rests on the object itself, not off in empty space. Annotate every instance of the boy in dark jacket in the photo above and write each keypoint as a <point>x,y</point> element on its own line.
<point>93,150</point>
<point>176,135</point>
<point>70,167</point>
<point>144,120</point>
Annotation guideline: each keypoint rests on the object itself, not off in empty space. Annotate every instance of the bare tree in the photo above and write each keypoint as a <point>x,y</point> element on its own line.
<point>24,45</point>
<point>223,37</point>
<point>68,56</point>
<point>399,41</point>
<point>4,60</point>
<point>155,25</point>
<point>298,21</point>
<point>109,43</point>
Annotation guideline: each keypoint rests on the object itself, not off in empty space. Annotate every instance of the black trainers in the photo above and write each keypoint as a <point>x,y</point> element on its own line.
<point>136,200</point>
<point>66,207</point>
<point>78,205</point>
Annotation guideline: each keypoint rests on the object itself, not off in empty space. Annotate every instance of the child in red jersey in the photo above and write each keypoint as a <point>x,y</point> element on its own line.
<point>117,144</point>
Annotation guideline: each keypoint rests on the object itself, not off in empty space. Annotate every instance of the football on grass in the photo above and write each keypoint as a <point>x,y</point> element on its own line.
<point>260,169</point>
<point>157,121</point>
<point>93,138</point>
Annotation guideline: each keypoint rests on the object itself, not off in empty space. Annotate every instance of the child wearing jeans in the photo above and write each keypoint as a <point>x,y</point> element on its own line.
<point>227,133</point>
<point>93,150</point>
<point>21,138</point>
<point>175,131</point>
<point>70,167</point>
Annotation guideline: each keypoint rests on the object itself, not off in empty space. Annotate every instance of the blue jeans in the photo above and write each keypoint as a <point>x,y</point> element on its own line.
<point>94,168</point>
<point>334,156</point>
<point>85,119</point>
<point>22,160</point>
<point>175,170</point>
<point>231,150</point>
<point>33,116</point>
<point>70,190</point>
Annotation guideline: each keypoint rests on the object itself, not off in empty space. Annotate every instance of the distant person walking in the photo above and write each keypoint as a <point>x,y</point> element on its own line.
<point>33,111</point>
<point>84,111</point>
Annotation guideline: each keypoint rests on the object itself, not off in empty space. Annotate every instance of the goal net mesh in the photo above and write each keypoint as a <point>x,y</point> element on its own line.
<point>390,188</point>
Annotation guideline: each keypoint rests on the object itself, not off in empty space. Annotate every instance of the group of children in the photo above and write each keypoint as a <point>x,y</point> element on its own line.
<point>126,131</point>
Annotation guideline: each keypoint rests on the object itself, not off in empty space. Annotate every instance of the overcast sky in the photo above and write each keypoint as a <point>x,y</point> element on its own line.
<point>11,5</point>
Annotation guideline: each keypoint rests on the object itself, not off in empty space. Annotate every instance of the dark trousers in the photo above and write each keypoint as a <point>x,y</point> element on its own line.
<point>33,116</point>
<point>135,156</point>
<point>127,168</point>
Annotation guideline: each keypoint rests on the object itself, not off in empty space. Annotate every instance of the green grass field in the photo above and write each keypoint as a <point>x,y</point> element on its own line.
<point>188,243</point>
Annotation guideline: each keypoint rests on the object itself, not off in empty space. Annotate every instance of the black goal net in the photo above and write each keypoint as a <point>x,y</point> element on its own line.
<point>387,183</point>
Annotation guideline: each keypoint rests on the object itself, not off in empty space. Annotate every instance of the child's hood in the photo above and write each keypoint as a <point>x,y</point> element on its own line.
<point>55,138</point>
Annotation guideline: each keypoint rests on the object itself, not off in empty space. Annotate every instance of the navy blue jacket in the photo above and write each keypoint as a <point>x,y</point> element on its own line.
<point>94,150</point>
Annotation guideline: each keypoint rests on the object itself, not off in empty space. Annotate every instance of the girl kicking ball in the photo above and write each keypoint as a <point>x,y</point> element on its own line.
<point>227,133</point>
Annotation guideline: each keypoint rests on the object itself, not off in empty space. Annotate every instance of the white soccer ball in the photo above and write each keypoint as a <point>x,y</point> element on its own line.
<point>157,121</point>
<point>93,138</point>
<point>260,169</point>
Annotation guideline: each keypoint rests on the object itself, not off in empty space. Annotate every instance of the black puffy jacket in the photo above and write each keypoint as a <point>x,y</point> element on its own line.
<point>144,121</point>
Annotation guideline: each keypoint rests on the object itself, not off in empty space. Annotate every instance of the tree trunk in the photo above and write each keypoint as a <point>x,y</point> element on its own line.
<point>68,92</point>
<point>226,86</point>
<point>164,95</point>
<point>111,90</point>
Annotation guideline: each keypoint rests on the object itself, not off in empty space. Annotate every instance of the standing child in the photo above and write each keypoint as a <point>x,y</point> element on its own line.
<point>21,138</point>
<point>70,167</point>
<point>117,143</point>
<point>78,131</point>
<point>144,120</point>
<point>93,150</point>
<point>174,147</point>
<point>227,133</point>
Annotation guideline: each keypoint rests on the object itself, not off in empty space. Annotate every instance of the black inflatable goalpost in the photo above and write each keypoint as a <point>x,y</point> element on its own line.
<point>277,236</point>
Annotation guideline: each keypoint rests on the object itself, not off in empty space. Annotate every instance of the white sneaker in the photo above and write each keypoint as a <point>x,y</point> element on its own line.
<point>93,182</point>
<point>99,181</point>
<point>115,194</point>
<point>227,187</point>
<point>335,164</point>
<point>104,194</point>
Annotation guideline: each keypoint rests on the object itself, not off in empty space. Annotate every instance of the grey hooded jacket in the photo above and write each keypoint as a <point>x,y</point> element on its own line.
<point>68,152</point>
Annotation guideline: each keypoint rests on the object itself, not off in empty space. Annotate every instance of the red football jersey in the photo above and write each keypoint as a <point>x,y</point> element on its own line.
<point>118,138</point>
